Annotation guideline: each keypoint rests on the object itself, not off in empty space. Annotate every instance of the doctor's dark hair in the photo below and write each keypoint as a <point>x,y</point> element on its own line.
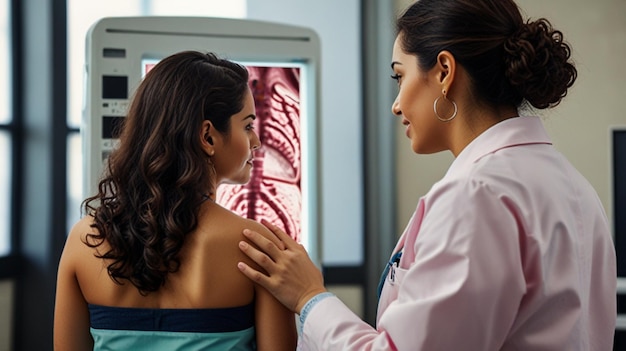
<point>150,195</point>
<point>508,60</point>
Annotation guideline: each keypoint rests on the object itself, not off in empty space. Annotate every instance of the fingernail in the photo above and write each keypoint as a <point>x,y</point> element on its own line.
<point>243,244</point>
<point>246,232</point>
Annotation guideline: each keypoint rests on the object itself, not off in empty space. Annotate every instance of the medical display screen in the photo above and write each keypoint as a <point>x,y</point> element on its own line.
<point>111,127</point>
<point>114,87</point>
<point>275,190</point>
<point>146,65</point>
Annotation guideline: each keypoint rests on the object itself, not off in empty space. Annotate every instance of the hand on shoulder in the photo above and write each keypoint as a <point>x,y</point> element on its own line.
<point>263,230</point>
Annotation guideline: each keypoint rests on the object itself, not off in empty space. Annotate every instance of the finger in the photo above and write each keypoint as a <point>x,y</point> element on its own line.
<point>275,239</point>
<point>264,244</point>
<point>254,275</point>
<point>286,239</point>
<point>257,255</point>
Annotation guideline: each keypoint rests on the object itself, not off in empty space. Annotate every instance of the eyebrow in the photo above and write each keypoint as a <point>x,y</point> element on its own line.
<point>249,116</point>
<point>395,63</point>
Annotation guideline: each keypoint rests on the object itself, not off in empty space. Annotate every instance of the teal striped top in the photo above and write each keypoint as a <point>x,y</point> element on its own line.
<point>121,328</point>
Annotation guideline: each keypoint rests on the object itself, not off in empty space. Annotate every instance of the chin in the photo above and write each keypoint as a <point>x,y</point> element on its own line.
<point>244,179</point>
<point>427,151</point>
<point>423,149</point>
<point>417,148</point>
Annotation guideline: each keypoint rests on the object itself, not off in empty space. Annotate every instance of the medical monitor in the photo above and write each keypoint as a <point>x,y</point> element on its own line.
<point>283,64</point>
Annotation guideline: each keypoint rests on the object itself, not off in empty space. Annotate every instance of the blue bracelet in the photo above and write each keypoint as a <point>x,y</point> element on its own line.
<point>309,305</point>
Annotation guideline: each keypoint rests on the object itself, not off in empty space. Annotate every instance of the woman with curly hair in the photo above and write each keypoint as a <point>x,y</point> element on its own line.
<point>152,265</point>
<point>511,249</point>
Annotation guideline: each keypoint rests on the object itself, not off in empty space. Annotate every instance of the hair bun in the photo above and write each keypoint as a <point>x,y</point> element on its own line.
<point>537,63</point>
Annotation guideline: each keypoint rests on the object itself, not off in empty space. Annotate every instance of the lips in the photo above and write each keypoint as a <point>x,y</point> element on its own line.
<point>408,126</point>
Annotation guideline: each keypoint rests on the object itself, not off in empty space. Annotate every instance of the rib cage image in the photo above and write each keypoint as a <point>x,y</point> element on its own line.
<point>274,192</point>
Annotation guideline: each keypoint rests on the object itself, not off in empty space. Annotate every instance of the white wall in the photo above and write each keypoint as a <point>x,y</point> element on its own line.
<point>580,125</point>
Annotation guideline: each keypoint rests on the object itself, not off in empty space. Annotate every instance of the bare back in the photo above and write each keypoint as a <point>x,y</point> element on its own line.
<point>207,278</point>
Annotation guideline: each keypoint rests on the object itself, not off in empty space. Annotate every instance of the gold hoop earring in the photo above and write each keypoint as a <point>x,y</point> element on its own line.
<point>437,113</point>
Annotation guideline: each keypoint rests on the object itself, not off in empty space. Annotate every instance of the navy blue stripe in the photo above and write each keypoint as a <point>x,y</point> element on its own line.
<point>206,320</point>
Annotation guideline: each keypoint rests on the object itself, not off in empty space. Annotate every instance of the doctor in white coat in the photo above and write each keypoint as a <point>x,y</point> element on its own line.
<point>511,249</point>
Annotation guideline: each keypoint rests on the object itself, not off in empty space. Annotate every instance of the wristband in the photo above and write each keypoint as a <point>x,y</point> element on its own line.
<point>309,305</point>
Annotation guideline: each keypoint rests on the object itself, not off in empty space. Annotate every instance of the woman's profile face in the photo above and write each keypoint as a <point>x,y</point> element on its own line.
<point>417,90</point>
<point>234,156</point>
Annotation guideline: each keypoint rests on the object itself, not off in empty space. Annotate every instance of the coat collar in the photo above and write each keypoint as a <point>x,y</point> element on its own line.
<point>508,133</point>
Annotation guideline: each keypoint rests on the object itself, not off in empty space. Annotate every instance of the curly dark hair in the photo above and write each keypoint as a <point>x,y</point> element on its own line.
<point>509,60</point>
<point>149,197</point>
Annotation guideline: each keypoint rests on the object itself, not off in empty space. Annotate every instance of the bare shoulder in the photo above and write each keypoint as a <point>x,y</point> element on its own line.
<point>256,226</point>
<point>234,223</point>
<point>229,233</point>
<point>79,232</point>
<point>76,252</point>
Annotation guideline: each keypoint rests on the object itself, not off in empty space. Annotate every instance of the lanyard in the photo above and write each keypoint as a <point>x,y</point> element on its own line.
<point>392,264</point>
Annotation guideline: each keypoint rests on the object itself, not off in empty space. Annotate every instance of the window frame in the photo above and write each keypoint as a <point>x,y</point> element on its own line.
<point>9,267</point>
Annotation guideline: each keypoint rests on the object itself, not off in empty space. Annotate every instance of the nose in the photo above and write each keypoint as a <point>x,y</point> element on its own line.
<point>395,108</point>
<point>255,143</point>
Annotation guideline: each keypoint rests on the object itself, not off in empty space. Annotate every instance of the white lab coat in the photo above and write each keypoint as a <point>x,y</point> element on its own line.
<point>511,250</point>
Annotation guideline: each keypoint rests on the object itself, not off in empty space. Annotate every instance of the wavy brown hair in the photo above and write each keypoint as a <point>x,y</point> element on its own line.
<point>149,197</point>
<point>508,59</point>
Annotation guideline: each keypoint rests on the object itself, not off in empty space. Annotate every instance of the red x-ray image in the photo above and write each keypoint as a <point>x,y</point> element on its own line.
<point>274,192</point>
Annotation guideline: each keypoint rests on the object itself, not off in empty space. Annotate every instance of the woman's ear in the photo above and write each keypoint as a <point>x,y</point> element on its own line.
<point>207,137</point>
<point>446,70</point>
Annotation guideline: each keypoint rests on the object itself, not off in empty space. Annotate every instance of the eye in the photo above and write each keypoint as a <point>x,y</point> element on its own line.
<point>250,127</point>
<point>396,77</point>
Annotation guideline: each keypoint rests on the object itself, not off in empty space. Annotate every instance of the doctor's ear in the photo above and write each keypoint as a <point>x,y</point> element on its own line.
<point>446,64</point>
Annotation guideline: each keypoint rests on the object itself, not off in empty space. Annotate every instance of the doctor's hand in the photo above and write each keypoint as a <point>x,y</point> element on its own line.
<point>291,276</point>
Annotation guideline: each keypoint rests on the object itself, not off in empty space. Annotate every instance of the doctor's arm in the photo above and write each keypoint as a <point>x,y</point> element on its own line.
<point>461,291</point>
<point>297,283</point>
